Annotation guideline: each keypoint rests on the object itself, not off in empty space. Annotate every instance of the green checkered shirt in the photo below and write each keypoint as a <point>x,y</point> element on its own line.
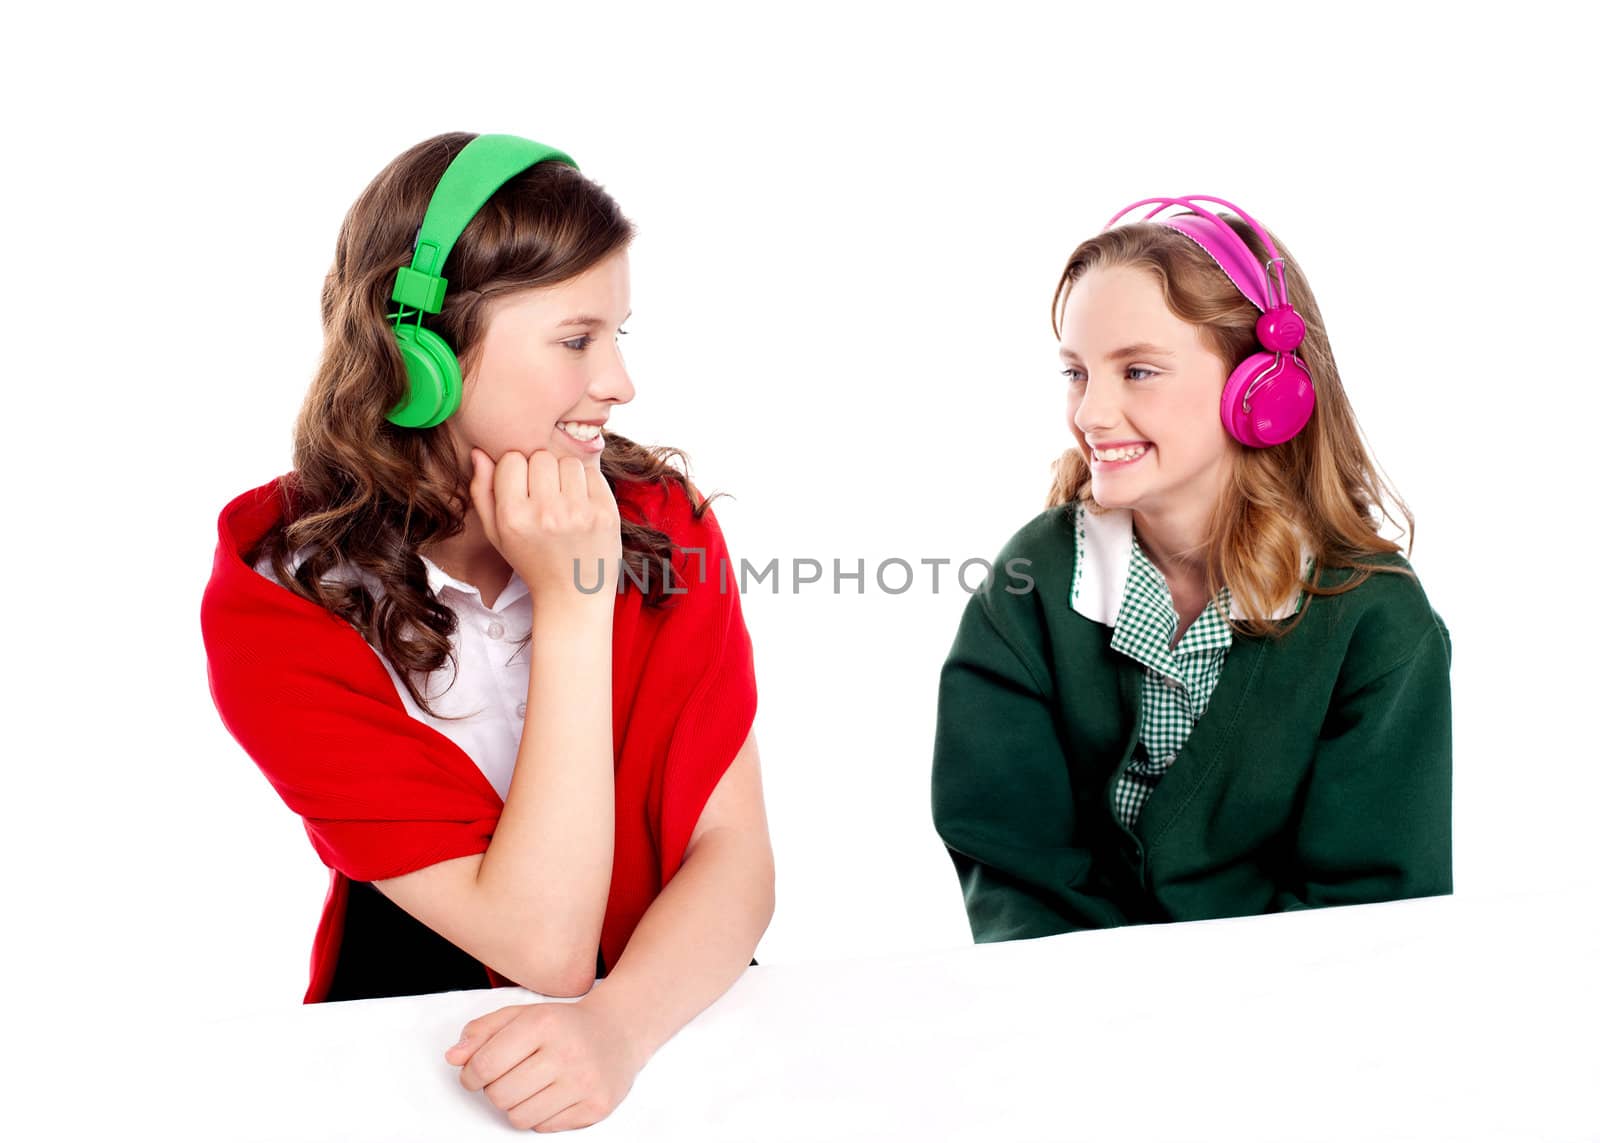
<point>1177,681</point>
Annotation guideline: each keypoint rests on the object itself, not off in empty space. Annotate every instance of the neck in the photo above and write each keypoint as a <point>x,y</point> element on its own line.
<point>1174,539</point>
<point>469,555</point>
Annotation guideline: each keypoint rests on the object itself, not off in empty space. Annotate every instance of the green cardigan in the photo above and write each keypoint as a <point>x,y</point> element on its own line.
<point>1319,774</point>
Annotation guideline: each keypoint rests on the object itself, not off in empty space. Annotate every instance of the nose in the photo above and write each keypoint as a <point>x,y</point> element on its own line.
<point>1097,409</point>
<point>611,382</point>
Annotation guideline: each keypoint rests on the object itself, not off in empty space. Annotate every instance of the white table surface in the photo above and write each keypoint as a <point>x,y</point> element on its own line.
<point>1442,1018</point>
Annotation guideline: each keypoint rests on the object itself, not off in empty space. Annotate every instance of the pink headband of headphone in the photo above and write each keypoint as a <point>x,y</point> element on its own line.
<point>1270,396</point>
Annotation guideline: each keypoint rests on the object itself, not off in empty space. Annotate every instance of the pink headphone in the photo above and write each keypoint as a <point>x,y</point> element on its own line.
<point>1269,397</point>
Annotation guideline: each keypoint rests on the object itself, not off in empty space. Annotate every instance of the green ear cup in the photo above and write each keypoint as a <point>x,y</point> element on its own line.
<point>477,171</point>
<point>435,379</point>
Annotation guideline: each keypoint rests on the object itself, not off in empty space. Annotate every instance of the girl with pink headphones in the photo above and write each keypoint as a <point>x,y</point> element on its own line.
<point>1207,686</point>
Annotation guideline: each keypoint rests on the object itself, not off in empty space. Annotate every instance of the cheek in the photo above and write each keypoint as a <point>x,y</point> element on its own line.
<point>509,424</point>
<point>1196,413</point>
<point>561,389</point>
<point>523,409</point>
<point>1201,442</point>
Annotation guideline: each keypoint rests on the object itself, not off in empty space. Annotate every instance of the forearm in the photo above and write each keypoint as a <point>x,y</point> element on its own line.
<point>694,941</point>
<point>1048,894</point>
<point>548,865</point>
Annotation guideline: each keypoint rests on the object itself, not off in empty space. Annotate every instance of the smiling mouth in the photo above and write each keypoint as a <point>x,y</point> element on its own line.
<point>579,431</point>
<point>1113,455</point>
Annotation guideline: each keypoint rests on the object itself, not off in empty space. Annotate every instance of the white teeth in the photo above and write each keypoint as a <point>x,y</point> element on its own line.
<point>1120,453</point>
<point>578,431</point>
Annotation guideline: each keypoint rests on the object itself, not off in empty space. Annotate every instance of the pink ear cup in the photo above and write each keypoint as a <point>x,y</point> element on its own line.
<point>1280,406</point>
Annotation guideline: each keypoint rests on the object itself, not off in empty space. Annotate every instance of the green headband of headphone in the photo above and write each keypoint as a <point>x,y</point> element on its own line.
<point>433,374</point>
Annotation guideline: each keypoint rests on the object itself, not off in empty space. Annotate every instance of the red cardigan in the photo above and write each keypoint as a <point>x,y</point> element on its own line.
<point>382,793</point>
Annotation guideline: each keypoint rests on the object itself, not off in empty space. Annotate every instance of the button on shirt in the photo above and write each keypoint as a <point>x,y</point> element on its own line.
<point>490,684</point>
<point>1115,583</point>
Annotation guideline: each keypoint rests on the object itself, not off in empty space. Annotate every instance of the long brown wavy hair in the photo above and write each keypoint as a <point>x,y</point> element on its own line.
<point>369,494</point>
<point>1322,480</point>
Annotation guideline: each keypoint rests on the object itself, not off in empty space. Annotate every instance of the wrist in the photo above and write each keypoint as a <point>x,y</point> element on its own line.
<point>571,610</point>
<point>610,1000</point>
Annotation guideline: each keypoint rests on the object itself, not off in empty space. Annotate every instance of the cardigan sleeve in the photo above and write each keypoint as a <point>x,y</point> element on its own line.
<point>1374,823</point>
<point>1002,794</point>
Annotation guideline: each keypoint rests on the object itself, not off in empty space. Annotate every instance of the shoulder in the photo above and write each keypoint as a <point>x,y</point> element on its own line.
<point>1393,595</point>
<point>1015,595</point>
<point>264,643</point>
<point>243,599</point>
<point>246,517</point>
<point>1039,552</point>
<point>1049,538</point>
<point>241,525</point>
<point>1387,617</point>
<point>669,506</point>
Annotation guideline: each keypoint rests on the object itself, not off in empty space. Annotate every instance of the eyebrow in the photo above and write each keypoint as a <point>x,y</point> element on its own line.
<point>1138,349</point>
<point>586,319</point>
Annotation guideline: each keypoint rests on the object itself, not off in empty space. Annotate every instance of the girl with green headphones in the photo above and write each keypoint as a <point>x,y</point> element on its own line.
<point>575,804</point>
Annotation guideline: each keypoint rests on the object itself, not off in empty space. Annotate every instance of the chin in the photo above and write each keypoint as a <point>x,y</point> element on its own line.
<point>1112,497</point>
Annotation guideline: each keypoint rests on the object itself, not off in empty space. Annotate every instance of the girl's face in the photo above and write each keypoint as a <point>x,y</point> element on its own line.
<point>550,357</point>
<point>1142,387</point>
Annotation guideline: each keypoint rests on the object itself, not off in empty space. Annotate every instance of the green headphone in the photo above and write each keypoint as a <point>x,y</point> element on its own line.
<point>433,373</point>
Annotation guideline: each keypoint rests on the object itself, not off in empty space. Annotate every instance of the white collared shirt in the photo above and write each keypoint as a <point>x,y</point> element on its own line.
<point>491,683</point>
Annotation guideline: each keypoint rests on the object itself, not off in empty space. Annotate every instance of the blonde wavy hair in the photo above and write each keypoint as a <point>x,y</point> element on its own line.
<point>1322,482</point>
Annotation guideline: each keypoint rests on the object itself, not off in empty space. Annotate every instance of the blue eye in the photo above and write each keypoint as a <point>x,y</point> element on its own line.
<point>579,344</point>
<point>1075,376</point>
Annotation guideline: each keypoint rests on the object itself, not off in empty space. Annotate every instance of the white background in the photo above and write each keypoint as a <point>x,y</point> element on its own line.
<point>851,220</point>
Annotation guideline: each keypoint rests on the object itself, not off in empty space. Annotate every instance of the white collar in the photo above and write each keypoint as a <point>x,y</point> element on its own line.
<point>1105,557</point>
<point>438,579</point>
